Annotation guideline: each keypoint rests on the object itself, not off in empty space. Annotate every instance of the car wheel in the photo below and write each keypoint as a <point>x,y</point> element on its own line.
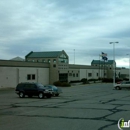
<point>40,95</point>
<point>21,95</point>
<point>118,88</point>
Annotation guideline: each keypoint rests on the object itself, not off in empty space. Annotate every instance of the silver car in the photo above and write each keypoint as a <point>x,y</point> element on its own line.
<point>123,84</point>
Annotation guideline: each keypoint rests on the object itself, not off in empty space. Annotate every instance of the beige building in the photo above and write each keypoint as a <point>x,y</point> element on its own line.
<point>48,67</point>
<point>14,72</point>
<point>105,66</point>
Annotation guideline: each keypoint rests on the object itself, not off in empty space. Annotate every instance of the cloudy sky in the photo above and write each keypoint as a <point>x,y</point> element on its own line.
<point>54,25</point>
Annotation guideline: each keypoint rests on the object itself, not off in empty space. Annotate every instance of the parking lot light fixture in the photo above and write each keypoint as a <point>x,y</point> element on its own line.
<point>114,62</point>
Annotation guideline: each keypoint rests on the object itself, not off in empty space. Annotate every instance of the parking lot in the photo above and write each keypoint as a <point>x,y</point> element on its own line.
<point>84,107</point>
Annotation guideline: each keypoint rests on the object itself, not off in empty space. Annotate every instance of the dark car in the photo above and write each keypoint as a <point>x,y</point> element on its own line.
<point>32,89</point>
<point>55,90</point>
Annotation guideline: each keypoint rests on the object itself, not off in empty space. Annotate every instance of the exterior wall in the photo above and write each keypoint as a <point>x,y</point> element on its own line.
<point>8,77</point>
<point>23,64</point>
<point>124,73</point>
<point>110,73</point>
<point>106,67</point>
<point>73,74</point>
<point>84,73</point>
<point>54,75</point>
<point>11,76</point>
<point>40,60</point>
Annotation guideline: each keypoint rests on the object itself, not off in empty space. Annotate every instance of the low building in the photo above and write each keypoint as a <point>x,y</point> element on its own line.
<point>106,66</point>
<point>48,67</point>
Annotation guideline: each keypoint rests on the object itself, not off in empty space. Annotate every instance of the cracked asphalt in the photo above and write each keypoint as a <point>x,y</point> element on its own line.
<point>84,107</point>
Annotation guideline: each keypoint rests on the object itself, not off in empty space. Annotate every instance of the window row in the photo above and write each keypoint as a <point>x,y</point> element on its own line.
<point>74,75</point>
<point>43,60</point>
<point>103,65</point>
<point>31,76</point>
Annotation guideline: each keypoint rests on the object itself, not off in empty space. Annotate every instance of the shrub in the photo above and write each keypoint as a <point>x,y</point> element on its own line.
<point>84,80</point>
<point>75,81</point>
<point>126,79</point>
<point>57,83</point>
<point>107,80</point>
<point>93,80</point>
<point>117,80</point>
<point>65,84</point>
<point>62,84</point>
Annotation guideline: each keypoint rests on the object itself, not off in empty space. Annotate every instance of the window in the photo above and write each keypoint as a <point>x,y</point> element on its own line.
<point>97,74</point>
<point>33,76</point>
<point>73,75</point>
<point>54,65</point>
<point>127,82</point>
<point>29,77</point>
<point>33,86</point>
<point>63,58</point>
<point>49,61</point>
<point>89,74</point>
<point>43,60</point>
<point>38,60</point>
<point>54,61</point>
<point>77,75</point>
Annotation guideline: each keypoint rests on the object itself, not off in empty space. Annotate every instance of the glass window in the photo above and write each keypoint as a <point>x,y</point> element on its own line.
<point>43,60</point>
<point>54,65</point>
<point>77,75</point>
<point>54,60</point>
<point>49,61</point>
<point>33,76</point>
<point>63,58</point>
<point>29,77</point>
<point>89,74</point>
<point>73,75</point>
<point>33,86</point>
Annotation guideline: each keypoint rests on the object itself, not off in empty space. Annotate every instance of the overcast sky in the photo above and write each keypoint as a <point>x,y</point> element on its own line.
<point>54,25</point>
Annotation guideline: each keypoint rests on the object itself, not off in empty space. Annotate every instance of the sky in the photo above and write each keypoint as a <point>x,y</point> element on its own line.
<point>82,28</point>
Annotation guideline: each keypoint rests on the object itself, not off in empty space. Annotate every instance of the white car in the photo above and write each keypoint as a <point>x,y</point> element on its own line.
<point>123,84</point>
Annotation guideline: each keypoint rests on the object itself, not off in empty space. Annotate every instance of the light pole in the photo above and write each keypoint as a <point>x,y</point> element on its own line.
<point>129,65</point>
<point>114,62</point>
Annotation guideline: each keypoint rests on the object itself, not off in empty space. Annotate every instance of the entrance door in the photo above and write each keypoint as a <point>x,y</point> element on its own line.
<point>63,77</point>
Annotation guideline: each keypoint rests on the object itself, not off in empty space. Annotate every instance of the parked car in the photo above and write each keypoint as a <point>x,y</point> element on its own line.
<point>123,84</point>
<point>55,90</point>
<point>119,82</point>
<point>32,89</point>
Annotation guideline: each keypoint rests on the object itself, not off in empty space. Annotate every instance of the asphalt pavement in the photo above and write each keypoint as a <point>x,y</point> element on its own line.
<point>83,107</point>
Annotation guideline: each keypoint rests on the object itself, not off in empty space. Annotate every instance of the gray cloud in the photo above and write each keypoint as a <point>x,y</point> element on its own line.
<point>86,26</point>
